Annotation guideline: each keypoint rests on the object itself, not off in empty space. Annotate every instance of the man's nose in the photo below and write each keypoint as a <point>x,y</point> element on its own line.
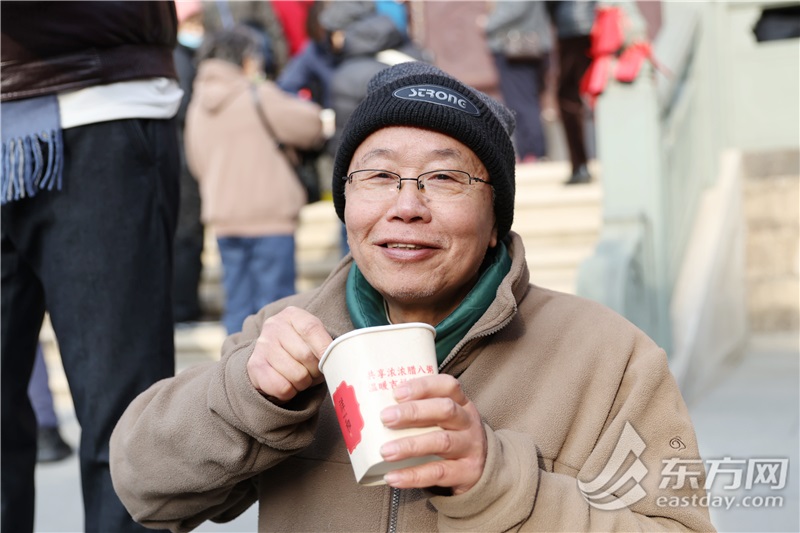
<point>410,201</point>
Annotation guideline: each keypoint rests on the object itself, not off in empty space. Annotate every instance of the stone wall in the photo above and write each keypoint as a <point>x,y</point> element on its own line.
<point>771,202</point>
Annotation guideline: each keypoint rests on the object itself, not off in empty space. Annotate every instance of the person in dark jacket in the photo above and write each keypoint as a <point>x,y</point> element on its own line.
<point>259,15</point>
<point>189,232</point>
<point>518,34</point>
<point>312,69</point>
<point>573,22</point>
<point>89,203</point>
<point>364,43</point>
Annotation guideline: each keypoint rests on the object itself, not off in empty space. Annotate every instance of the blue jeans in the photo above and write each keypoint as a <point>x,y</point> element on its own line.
<point>97,256</point>
<point>521,84</point>
<point>255,271</point>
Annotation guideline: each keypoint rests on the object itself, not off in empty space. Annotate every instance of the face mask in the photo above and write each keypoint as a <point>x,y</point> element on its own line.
<point>190,39</point>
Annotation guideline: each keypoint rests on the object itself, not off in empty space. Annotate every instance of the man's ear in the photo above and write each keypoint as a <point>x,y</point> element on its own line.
<point>493,239</point>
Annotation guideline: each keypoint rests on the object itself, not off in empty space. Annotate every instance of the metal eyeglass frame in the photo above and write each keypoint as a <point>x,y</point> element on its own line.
<point>420,185</point>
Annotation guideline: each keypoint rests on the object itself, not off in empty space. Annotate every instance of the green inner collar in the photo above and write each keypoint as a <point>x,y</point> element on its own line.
<point>366,305</point>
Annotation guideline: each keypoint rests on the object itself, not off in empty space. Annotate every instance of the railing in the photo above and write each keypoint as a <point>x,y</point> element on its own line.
<point>658,151</point>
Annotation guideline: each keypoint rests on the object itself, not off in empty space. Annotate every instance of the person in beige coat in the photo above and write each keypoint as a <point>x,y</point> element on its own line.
<point>250,196</point>
<point>556,413</point>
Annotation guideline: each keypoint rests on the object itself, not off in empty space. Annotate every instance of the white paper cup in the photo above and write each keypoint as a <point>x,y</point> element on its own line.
<point>362,368</point>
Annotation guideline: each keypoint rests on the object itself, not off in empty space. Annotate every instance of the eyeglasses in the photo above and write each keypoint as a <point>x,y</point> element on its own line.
<point>436,184</point>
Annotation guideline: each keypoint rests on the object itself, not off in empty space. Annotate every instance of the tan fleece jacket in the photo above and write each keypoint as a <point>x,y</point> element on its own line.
<point>247,187</point>
<point>555,377</point>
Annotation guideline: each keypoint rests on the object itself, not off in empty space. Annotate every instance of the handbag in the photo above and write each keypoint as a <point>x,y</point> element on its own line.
<point>303,162</point>
<point>522,46</point>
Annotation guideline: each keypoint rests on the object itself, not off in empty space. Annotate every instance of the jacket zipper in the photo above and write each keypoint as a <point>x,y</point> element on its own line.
<point>480,335</point>
<point>394,507</point>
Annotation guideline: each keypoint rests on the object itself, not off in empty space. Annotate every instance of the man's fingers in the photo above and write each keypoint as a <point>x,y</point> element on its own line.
<point>442,412</point>
<point>286,356</point>
<point>298,352</point>
<point>455,474</point>
<point>295,369</point>
<point>429,401</point>
<point>438,386</point>
<point>277,387</point>
<point>462,459</point>
<point>443,443</point>
<point>310,329</point>
<point>460,443</point>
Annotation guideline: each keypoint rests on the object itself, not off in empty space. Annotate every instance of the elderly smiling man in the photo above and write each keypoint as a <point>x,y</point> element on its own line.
<point>558,415</point>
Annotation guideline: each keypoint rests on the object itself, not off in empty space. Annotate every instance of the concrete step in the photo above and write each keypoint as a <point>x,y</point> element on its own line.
<point>555,267</point>
<point>551,172</point>
<point>543,240</point>
<point>772,248</point>
<point>535,196</point>
<point>556,258</point>
<point>561,222</point>
<point>197,343</point>
<point>557,281</point>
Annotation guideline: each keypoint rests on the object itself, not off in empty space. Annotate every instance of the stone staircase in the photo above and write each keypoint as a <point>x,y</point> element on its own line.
<point>559,226</point>
<point>770,193</point>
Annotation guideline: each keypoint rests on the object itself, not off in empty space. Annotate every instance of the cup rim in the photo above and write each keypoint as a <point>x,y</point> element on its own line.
<point>373,329</point>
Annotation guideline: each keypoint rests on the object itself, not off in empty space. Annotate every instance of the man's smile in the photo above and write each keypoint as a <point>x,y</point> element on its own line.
<point>402,245</point>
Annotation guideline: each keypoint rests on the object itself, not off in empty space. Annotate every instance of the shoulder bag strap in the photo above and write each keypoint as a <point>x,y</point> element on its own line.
<point>263,118</point>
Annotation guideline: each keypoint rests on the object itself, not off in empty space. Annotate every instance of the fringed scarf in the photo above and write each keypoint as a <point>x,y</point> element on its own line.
<point>33,148</point>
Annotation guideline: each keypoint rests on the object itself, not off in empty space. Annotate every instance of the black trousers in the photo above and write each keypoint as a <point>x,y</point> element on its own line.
<point>97,256</point>
<point>573,60</point>
<point>189,238</point>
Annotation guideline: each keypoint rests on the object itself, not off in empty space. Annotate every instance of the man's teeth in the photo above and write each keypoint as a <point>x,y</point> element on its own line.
<point>405,246</point>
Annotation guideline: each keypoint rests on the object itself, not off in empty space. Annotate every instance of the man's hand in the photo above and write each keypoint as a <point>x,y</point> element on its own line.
<point>436,401</point>
<point>286,357</point>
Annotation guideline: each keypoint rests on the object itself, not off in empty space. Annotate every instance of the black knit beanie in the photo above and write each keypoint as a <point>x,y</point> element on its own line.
<point>421,95</point>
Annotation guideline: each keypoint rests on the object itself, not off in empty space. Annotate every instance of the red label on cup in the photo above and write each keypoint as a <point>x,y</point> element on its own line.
<point>349,414</point>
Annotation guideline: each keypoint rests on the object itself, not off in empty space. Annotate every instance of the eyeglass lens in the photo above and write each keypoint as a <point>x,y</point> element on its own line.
<point>437,183</point>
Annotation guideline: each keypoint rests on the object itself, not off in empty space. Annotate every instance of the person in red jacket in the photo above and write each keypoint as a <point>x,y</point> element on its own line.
<point>292,15</point>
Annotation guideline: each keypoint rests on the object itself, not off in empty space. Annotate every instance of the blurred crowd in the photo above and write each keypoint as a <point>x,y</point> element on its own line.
<point>258,90</point>
<point>531,55</point>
